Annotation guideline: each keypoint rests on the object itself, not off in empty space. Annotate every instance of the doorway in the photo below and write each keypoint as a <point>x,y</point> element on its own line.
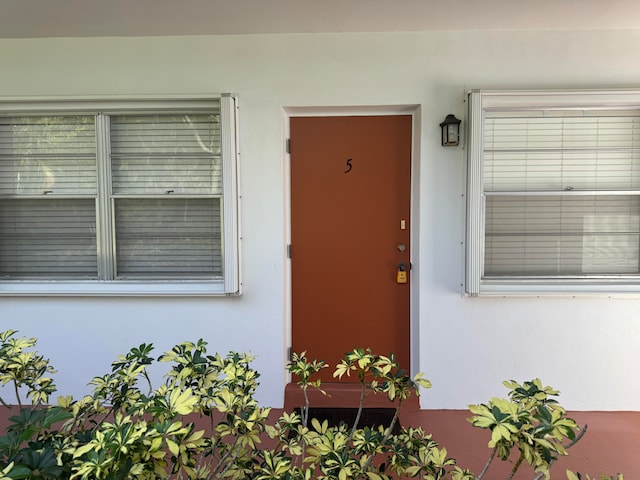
<point>350,236</point>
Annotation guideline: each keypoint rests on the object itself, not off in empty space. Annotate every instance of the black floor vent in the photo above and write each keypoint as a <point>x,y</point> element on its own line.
<point>371,417</point>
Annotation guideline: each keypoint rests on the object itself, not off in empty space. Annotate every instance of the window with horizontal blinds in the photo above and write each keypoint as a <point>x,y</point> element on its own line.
<point>122,195</point>
<point>43,158</point>
<point>179,157</point>
<point>44,155</point>
<point>558,195</point>
<point>562,235</point>
<point>166,154</point>
<point>52,238</point>
<point>170,237</point>
<point>558,153</point>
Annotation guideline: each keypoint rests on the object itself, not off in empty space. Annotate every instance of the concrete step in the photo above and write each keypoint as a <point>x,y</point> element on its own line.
<point>342,395</point>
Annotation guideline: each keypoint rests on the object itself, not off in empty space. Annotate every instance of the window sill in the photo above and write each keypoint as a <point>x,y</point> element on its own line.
<point>560,288</point>
<point>120,288</point>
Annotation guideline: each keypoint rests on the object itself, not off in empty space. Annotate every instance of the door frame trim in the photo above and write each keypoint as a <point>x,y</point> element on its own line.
<point>388,110</point>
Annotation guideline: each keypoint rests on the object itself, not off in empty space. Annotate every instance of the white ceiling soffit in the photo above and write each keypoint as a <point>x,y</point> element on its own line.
<point>92,18</point>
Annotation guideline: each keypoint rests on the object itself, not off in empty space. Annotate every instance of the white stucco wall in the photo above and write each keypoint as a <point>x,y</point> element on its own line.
<point>586,347</point>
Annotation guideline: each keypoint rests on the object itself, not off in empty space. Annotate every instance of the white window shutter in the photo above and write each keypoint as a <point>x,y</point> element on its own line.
<point>231,195</point>
<point>475,198</point>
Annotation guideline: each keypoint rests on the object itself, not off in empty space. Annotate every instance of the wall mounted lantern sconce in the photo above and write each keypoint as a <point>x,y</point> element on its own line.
<point>450,131</point>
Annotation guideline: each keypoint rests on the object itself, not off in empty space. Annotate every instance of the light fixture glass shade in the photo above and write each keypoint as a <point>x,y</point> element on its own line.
<point>450,131</point>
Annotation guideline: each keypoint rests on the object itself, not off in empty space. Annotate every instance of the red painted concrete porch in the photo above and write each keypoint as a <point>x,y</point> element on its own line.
<point>610,445</point>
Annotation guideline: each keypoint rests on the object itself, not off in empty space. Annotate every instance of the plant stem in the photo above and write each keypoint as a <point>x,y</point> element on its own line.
<point>224,458</point>
<point>387,434</point>
<point>363,392</point>
<point>305,421</point>
<point>486,465</point>
<point>516,466</point>
<point>236,452</point>
<point>15,387</point>
<point>581,433</point>
<point>305,411</point>
<point>146,376</point>
<point>394,420</point>
<point>110,410</point>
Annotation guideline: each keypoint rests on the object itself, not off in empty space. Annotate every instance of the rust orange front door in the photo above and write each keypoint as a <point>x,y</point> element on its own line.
<point>350,231</point>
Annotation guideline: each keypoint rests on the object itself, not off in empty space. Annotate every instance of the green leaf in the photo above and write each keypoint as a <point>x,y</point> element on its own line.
<point>83,449</point>
<point>174,448</point>
<point>182,402</point>
<point>18,472</point>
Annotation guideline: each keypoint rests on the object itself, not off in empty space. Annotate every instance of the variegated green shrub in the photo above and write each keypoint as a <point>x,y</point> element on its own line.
<point>350,452</point>
<point>530,422</point>
<point>129,429</point>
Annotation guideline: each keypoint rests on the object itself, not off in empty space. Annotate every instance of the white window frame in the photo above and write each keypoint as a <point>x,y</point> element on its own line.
<point>231,283</point>
<point>476,283</point>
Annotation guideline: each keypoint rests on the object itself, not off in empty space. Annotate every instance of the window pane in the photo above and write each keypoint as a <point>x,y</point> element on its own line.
<point>53,238</point>
<point>588,152</point>
<point>172,237</point>
<point>562,235</point>
<point>47,155</point>
<point>158,154</point>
